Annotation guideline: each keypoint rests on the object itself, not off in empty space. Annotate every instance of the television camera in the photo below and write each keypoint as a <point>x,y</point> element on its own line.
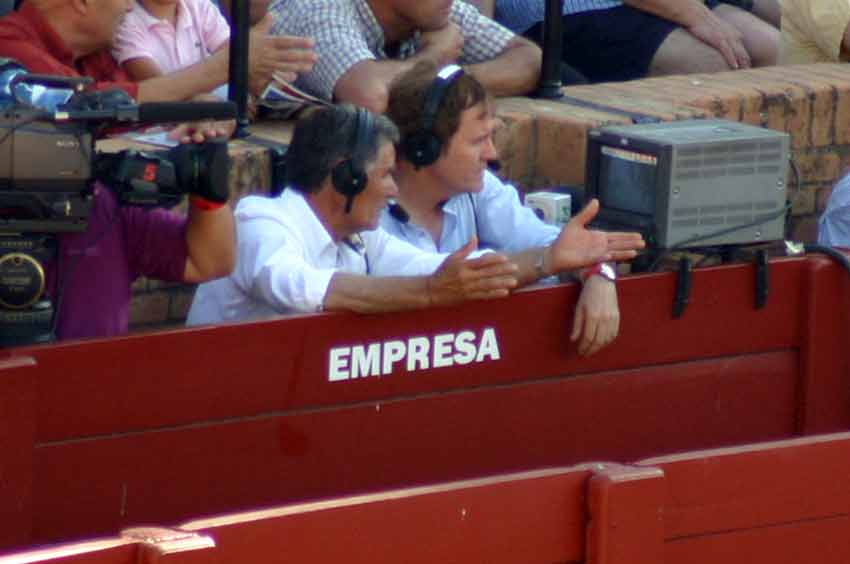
<point>49,167</point>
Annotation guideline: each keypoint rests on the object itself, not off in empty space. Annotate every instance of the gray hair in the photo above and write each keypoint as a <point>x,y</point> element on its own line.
<point>324,137</point>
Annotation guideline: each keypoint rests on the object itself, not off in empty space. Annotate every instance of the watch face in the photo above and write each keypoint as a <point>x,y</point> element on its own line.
<point>607,271</point>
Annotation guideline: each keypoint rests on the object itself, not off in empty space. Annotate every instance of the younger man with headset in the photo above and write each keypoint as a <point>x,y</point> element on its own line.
<point>447,196</point>
<point>318,246</point>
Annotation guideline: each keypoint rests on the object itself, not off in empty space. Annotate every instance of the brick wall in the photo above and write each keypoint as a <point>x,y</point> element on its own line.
<point>542,142</point>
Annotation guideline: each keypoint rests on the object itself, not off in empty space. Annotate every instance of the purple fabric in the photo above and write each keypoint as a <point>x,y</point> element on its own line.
<point>97,267</point>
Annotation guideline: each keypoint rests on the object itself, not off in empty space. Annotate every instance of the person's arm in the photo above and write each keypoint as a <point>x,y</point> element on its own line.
<point>142,68</point>
<point>514,72</point>
<point>211,243</point>
<point>456,280</point>
<point>268,55</point>
<point>576,247</point>
<point>367,82</point>
<point>596,322</point>
<point>700,22</point>
<point>505,63</point>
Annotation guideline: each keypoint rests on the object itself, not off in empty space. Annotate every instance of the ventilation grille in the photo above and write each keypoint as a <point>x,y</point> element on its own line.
<point>728,160</point>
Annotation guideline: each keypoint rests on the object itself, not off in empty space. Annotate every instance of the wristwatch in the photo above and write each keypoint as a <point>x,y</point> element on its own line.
<point>603,269</point>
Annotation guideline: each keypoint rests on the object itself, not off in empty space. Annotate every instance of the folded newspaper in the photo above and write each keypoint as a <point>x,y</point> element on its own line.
<point>281,100</point>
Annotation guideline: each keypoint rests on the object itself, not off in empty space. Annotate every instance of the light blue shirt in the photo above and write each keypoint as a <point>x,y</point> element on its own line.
<point>503,223</point>
<point>834,224</point>
<point>520,15</point>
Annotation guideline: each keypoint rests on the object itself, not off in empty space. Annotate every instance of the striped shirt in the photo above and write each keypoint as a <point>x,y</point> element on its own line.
<point>520,15</point>
<point>346,32</point>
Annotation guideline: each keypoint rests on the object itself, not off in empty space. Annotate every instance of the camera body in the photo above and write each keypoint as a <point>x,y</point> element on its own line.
<point>48,171</point>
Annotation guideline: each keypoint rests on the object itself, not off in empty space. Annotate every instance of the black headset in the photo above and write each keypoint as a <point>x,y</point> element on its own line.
<point>423,147</point>
<point>349,176</point>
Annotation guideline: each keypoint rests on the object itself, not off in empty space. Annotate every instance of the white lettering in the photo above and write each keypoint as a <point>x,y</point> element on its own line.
<point>417,353</point>
<point>338,369</point>
<point>393,352</point>
<point>465,347</point>
<point>489,346</point>
<point>363,365</point>
<point>443,350</point>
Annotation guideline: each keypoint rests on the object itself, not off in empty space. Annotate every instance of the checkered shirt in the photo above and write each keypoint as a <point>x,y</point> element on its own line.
<point>519,15</point>
<point>346,32</point>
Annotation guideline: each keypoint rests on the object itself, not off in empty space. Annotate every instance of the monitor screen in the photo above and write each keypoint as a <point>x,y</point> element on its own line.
<point>627,180</point>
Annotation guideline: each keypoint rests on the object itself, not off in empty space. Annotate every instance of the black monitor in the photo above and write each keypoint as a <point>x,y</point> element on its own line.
<point>689,183</point>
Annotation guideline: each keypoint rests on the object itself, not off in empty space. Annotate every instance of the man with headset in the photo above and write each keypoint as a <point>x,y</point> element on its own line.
<point>447,196</point>
<point>318,245</point>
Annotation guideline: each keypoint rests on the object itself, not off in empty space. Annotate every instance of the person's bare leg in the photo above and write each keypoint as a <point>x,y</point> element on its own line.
<point>682,53</point>
<point>768,10</point>
<point>761,40</point>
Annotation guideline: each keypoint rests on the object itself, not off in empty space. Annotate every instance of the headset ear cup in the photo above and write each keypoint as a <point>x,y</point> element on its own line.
<point>348,179</point>
<point>421,148</point>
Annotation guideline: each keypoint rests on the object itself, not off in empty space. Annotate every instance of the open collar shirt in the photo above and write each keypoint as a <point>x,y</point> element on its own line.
<point>494,214</point>
<point>347,32</point>
<point>286,259</point>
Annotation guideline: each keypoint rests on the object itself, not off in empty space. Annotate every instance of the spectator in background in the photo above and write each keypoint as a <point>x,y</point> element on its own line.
<point>164,36</point>
<point>449,197</point>
<point>815,31</point>
<point>74,38</point>
<point>615,40</point>
<point>363,45</point>
<point>834,224</point>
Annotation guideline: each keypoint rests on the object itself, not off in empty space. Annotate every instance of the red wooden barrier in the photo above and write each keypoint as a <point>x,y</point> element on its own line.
<point>166,427</point>
<point>785,501</point>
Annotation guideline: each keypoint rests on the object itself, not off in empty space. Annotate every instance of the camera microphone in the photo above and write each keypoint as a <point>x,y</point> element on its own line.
<point>166,112</point>
<point>152,112</point>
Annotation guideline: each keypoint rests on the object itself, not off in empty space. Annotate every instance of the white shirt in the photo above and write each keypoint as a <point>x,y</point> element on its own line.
<point>286,259</point>
<point>503,223</point>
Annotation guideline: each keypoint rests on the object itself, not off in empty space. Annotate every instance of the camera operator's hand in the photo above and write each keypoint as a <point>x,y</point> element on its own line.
<point>491,275</point>
<point>578,246</point>
<point>200,131</point>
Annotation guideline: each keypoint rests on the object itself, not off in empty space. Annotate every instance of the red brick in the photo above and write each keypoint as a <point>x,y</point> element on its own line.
<point>818,167</point>
<point>822,198</point>
<point>805,229</point>
<point>515,139</point>
<point>823,97</point>
<point>841,82</point>
<point>561,142</point>
<point>803,201</point>
<point>786,105</point>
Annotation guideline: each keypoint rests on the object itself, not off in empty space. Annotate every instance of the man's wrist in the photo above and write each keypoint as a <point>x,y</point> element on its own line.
<point>602,269</point>
<point>543,264</point>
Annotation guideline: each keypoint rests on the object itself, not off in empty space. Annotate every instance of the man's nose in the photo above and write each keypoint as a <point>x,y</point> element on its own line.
<point>490,153</point>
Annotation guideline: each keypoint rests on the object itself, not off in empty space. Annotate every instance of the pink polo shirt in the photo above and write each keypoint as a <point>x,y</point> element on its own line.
<point>200,31</point>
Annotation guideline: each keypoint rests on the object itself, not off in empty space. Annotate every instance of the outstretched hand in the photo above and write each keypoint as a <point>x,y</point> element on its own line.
<point>458,279</point>
<point>577,246</point>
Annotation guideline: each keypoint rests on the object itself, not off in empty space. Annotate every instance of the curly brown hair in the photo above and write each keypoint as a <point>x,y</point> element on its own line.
<point>407,99</point>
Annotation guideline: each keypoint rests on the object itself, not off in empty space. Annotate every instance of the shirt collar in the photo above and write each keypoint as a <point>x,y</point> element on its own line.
<point>375,33</point>
<point>46,34</point>
<point>318,240</point>
<point>150,21</point>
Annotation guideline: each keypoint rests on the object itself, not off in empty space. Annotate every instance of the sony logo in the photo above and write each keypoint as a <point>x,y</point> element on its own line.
<point>67,144</point>
<point>415,353</point>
